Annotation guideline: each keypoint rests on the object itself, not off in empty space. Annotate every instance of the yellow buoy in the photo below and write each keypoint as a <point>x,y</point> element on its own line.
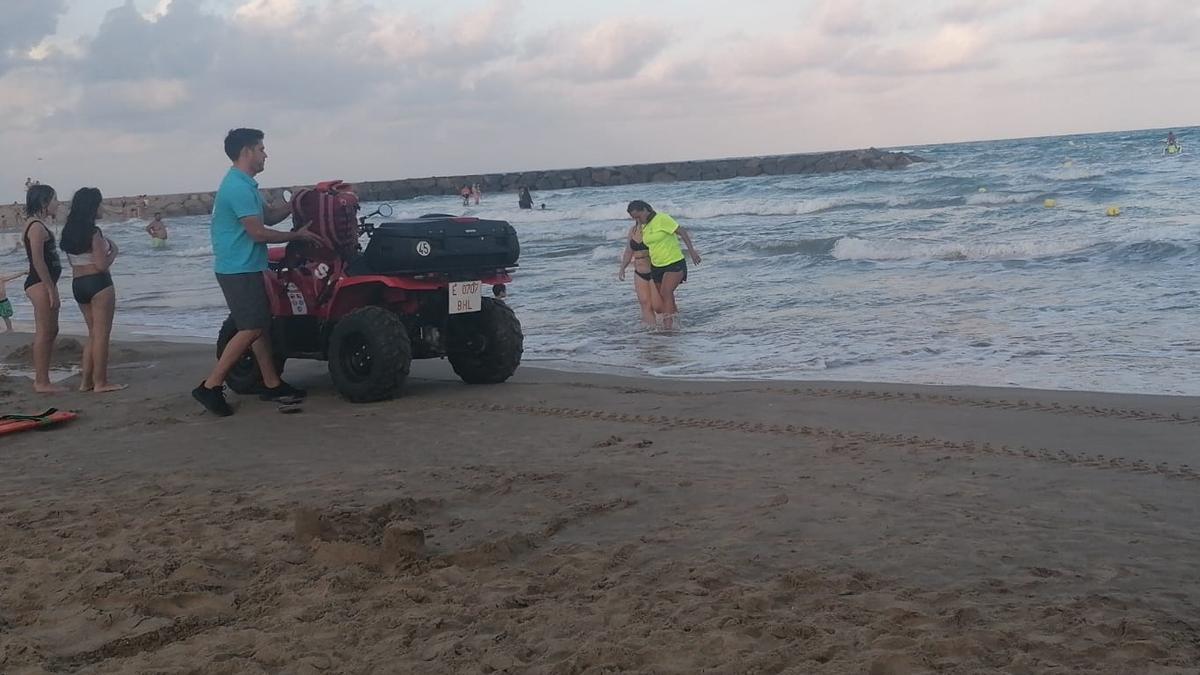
<point>1050,203</point>
<point>1113,211</point>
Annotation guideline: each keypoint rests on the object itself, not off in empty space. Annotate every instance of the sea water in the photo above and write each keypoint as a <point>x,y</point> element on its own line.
<point>947,272</point>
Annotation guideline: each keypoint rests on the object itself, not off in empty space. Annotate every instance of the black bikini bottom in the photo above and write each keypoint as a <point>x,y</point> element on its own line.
<point>87,286</point>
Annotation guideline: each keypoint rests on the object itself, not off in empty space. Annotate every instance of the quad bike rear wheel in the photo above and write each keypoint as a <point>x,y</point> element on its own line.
<point>369,355</point>
<point>245,377</point>
<point>485,347</point>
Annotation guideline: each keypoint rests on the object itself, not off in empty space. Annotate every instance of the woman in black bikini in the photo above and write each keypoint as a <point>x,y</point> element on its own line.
<point>637,252</point>
<point>91,254</point>
<point>41,285</point>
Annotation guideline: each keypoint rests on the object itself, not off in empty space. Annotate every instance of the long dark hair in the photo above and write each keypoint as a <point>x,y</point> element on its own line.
<point>37,199</point>
<point>641,206</point>
<point>81,221</point>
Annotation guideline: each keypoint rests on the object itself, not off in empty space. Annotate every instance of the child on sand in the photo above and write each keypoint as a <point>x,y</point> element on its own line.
<point>6,310</point>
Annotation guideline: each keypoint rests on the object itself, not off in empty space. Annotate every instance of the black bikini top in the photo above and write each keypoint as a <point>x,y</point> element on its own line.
<point>637,246</point>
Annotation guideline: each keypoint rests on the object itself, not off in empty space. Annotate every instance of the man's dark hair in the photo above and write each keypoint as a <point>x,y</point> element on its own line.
<point>237,139</point>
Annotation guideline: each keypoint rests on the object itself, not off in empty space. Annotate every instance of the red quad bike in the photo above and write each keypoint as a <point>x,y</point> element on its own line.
<point>414,292</point>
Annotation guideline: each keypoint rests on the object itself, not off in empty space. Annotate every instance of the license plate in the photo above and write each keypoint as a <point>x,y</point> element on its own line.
<point>465,296</point>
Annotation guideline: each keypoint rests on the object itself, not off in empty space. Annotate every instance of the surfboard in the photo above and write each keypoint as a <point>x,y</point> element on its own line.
<point>11,424</point>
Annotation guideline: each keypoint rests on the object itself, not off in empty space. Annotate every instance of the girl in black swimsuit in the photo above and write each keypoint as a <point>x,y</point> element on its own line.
<point>41,285</point>
<point>91,254</point>
<point>638,253</point>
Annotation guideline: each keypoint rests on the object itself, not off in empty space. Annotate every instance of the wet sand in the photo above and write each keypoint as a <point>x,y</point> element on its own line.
<point>577,523</point>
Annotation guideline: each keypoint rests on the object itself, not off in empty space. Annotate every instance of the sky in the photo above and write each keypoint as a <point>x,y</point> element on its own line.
<point>135,96</point>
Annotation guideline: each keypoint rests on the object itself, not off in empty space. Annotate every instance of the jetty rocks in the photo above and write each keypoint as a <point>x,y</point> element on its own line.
<point>200,203</point>
<point>632,174</point>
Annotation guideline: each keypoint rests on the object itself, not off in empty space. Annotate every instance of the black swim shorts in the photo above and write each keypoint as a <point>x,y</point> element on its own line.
<point>246,296</point>
<point>659,272</point>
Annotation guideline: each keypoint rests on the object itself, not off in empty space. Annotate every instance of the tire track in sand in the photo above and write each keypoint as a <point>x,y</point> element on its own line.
<point>1062,457</point>
<point>1129,414</point>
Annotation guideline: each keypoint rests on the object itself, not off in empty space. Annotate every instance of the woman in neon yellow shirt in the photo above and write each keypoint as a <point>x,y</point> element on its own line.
<point>668,267</point>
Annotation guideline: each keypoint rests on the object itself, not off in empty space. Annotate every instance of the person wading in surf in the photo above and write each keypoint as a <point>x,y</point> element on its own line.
<point>668,267</point>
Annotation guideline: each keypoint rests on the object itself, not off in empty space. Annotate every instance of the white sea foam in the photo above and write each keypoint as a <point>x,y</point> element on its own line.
<point>853,248</point>
<point>998,198</point>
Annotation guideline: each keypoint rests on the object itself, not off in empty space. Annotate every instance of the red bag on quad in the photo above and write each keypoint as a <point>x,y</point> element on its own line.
<point>331,209</point>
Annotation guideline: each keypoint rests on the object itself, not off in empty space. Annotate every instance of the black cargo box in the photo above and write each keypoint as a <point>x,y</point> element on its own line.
<point>438,243</point>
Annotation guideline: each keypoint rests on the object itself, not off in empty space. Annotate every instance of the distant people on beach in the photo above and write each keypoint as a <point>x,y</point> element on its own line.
<point>240,233</point>
<point>500,292</point>
<point>638,253</point>
<point>6,310</point>
<point>668,266</point>
<point>525,200</point>
<point>157,230</point>
<point>543,207</point>
<point>90,255</point>
<point>41,284</point>
<point>29,182</point>
<point>465,193</point>
<point>476,193</point>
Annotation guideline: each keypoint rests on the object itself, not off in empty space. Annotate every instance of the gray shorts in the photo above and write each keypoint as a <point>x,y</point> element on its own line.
<point>246,296</point>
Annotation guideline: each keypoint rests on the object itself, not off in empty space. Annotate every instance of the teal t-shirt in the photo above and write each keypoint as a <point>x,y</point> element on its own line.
<point>234,252</point>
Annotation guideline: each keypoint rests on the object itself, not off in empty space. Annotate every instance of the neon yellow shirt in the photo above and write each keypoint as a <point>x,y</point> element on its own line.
<point>659,235</point>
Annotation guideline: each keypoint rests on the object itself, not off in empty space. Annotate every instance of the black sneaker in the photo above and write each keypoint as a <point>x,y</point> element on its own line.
<point>284,391</point>
<point>213,400</point>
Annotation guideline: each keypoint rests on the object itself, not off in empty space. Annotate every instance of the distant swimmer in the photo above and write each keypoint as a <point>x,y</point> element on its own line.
<point>1173,147</point>
<point>157,231</point>
<point>465,193</point>
<point>525,200</point>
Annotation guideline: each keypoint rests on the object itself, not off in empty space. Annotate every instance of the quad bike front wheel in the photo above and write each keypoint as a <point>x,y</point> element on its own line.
<point>369,355</point>
<point>485,347</point>
<point>245,377</point>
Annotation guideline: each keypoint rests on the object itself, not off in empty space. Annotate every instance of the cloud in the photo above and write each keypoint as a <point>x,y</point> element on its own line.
<point>26,23</point>
<point>376,88</point>
<point>610,50</point>
<point>1101,20</point>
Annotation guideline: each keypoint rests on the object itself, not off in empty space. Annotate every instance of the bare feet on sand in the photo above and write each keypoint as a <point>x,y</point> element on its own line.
<point>48,389</point>
<point>108,387</point>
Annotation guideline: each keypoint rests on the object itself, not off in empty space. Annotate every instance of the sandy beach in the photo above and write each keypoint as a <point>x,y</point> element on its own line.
<point>577,523</point>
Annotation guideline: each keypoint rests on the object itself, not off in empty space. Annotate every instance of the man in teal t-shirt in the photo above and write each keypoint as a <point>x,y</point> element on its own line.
<point>240,234</point>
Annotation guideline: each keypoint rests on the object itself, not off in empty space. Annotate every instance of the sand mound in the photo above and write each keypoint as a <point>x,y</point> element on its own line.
<point>67,351</point>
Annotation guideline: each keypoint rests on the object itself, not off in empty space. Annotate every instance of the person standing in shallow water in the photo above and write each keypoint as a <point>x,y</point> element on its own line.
<point>41,284</point>
<point>157,231</point>
<point>91,254</point>
<point>668,267</point>
<point>638,253</point>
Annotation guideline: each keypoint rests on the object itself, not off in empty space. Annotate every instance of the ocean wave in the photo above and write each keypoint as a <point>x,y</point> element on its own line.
<point>1072,173</point>
<point>999,198</point>
<point>760,207</point>
<point>1152,251</point>
<point>168,252</point>
<point>820,246</point>
<point>854,248</point>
